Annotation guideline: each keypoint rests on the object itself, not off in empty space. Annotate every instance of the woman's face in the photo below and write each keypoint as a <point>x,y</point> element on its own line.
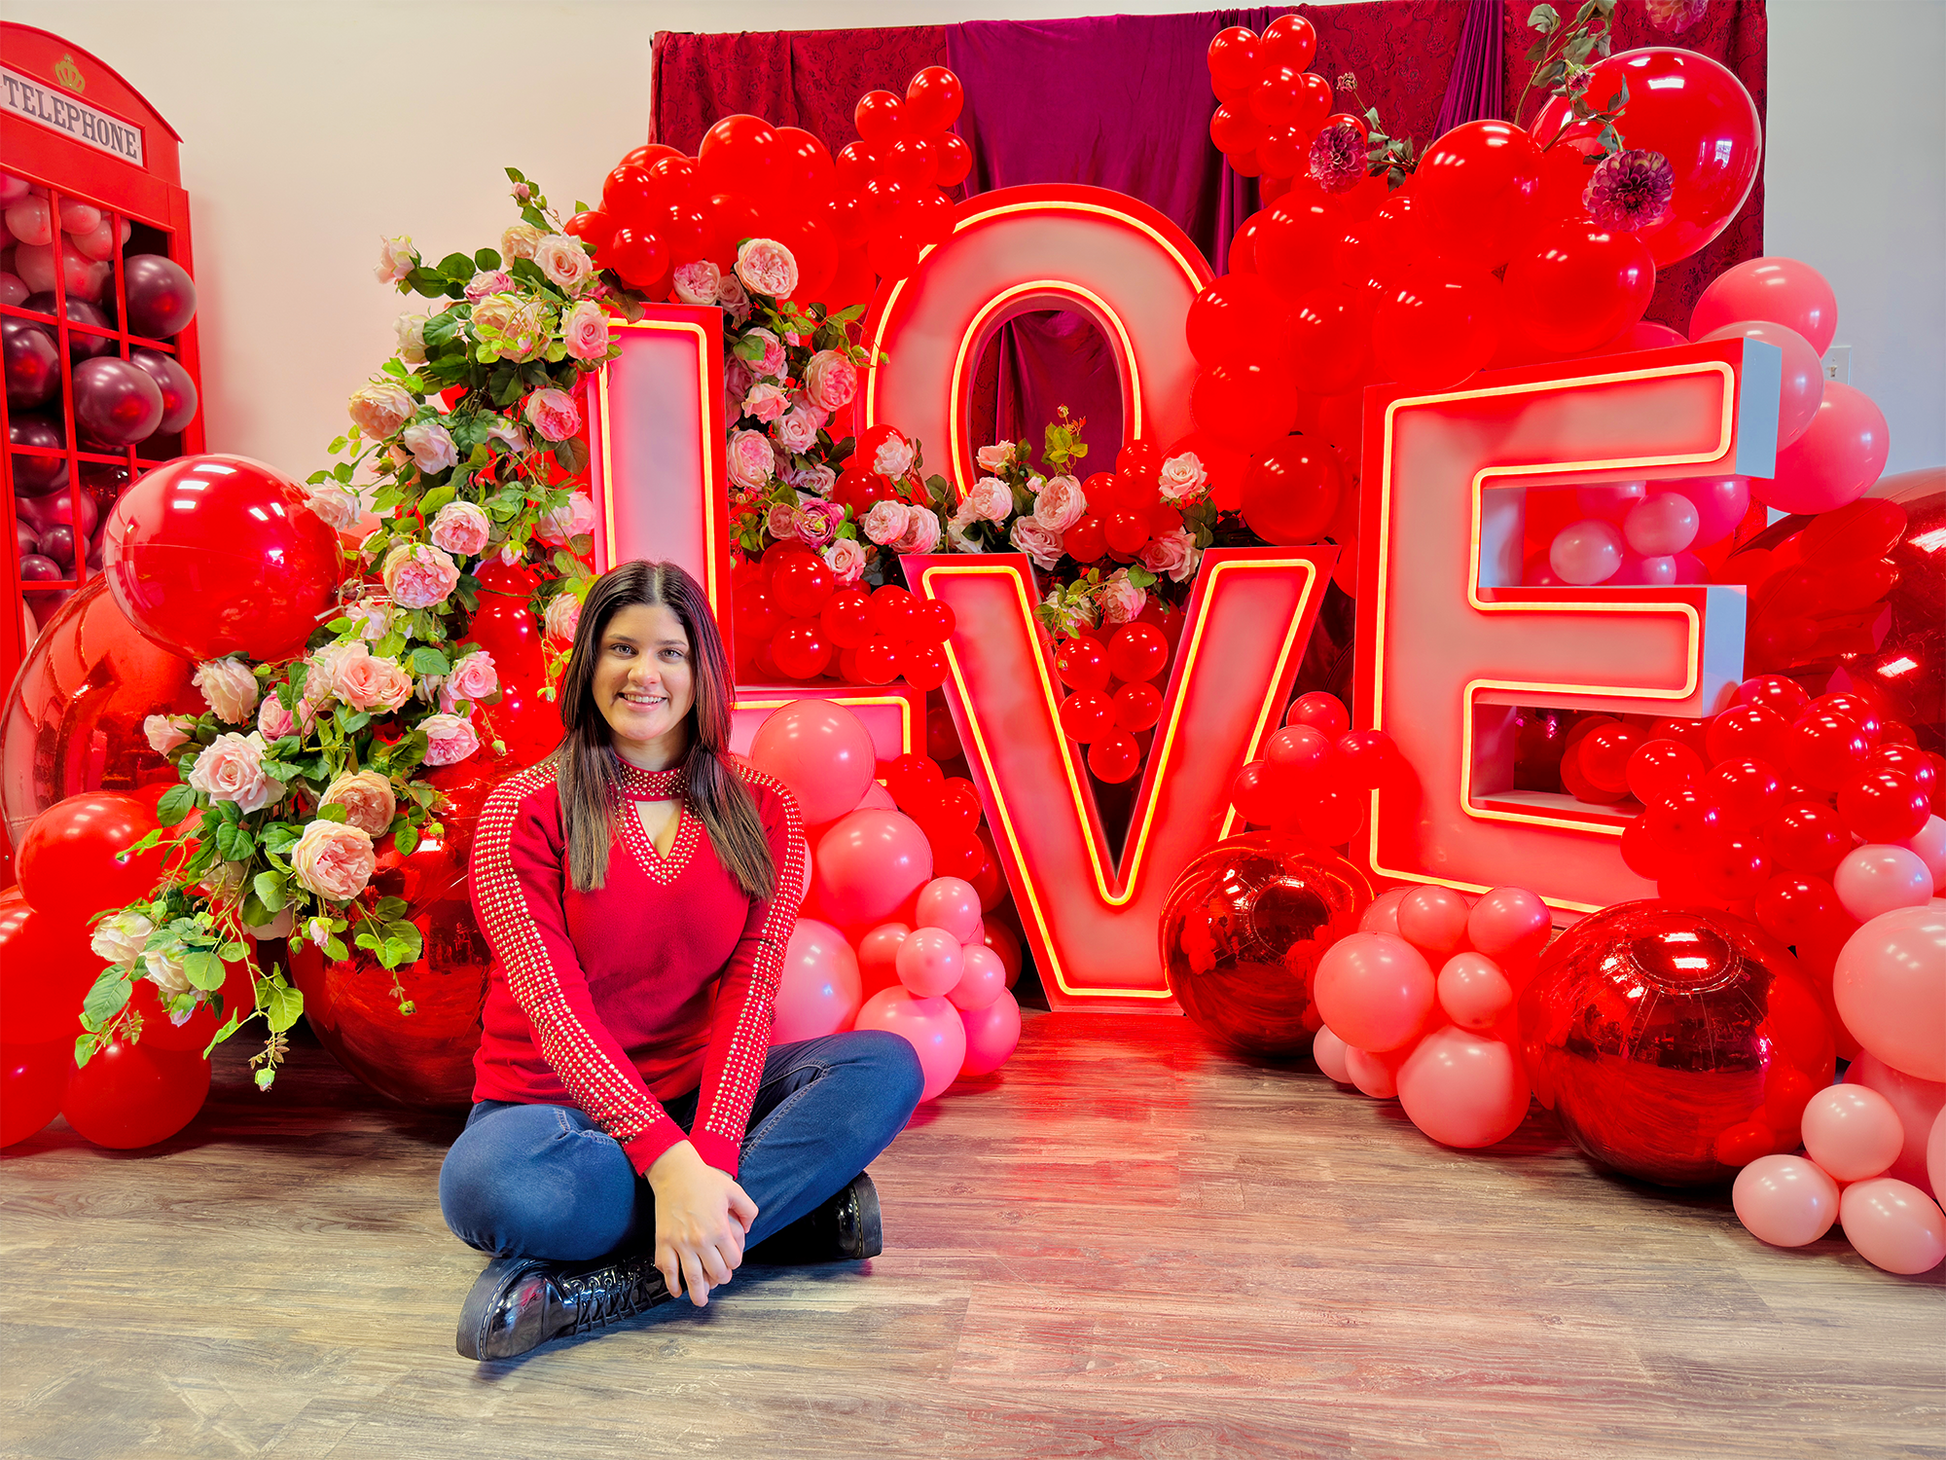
<point>645,684</point>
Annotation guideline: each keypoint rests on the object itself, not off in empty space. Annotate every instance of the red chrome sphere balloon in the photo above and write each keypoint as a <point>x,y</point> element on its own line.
<point>1242,933</point>
<point>214,555</point>
<point>1676,1044</point>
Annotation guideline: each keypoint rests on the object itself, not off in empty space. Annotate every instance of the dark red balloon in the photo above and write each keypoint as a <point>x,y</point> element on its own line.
<point>116,402</point>
<point>33,364</point>
<point>178,388</point>
<point>161,295</point>
<point>36,476</point>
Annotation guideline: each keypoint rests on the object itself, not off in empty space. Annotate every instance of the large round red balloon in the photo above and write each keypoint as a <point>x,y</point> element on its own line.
<point>1674,1043</point>
<point>1292,490</point>
<point>67,865</point>
<point>33,1079</point>
<point>1694,112</point>
<point>45,973</point>
<point>1242,933</point>
<point>132,1095</point>
<point>1440,325</point>
<point>1577,285</point>
<point>1480,182</point>
<point>214,555</point>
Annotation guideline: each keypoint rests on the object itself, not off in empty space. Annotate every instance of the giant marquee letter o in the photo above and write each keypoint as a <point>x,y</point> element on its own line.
<point>1013,250</point>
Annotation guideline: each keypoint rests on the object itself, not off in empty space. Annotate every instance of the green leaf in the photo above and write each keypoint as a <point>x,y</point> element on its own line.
<point>205,969</point>
<point>280,1003</point>
<point>435,499</point>
<point>1543,18</point>
<point>231,952</point>
<point>389,907</point>
<point>271,891</point>
<point>234,844</point>
<point>406,839</point>
<point>229,1027</point>
<point>279,837</point>
<point>486,259</point>
<point>335,950</point>
<point>84,1049</point>
<point>427,660</point>
<point>332,812</point>
<point>457,266</point>
<point>106,998</point>
<point>176,803</point>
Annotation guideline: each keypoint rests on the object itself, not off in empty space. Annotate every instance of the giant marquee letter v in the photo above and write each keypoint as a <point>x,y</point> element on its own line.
<point>1092,927</point>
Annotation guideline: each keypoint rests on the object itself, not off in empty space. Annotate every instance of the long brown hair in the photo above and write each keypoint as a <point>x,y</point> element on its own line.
<point>585,762</point>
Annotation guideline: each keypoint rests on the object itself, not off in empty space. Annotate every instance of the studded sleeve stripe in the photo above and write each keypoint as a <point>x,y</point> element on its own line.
<point>519,873</point>
<point>746,997</point>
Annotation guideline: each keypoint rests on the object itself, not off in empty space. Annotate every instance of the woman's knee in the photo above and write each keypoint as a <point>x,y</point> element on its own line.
<point>895,1068</point>
<point>529,1183</point>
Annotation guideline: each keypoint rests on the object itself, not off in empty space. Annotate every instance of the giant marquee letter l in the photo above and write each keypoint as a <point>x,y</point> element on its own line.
<point>1092,926</point>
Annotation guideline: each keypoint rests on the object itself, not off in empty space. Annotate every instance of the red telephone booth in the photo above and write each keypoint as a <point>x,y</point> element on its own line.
<point>97,309</point>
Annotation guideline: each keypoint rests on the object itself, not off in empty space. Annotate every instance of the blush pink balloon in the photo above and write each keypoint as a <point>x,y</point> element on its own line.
<point>950,904</point>
<point>869,863</point>
<point>1890,985</point>
<point>1586,552</point>
<point>1929,846</point>
<point>992,1034</point>
<point>1463,1089</point>
<point>1936,1154</point>
<point>1919,1104</point>
<point>1375,989</point>
<point>1511,926</point>
<point>931,1026</point>
<point>1781,290</point>
<point>1433,919</point>
<point>875,797</point>
<point>1473,991</point>
<point>822,752</point>
<point>1662,523</point>
<point>1785,1200</point>
<point>983,978</point>
<point>1381,915</point>
<point>1894,1225</point>
<point>819,992</point>
<point>1720,502</point>
<point>1329,1051</point>
<point>1611,501</point>
<point>1640,572</point>
<point>1373,1074</point>
<point>930,962</point>
<point>1802,386</point>
<point>1881,878</point>
<point>878,956</point>
<point>1852,1132</point>
<point>1837,458</point>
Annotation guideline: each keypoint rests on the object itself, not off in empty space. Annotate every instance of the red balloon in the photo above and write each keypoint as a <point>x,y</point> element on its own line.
<point>1807,837</point>
<point>1826,749</point>
<point>1577,285</point>
<point>801,584</point>
<point>116,402</point>
<point>1674,1043</point>
<point>1884,806</point>
<point>805,175</point>
<point>1289,40</point>
<point>33,1081</point>
<point>594,228</point>
<point>800,650</point>
<point>132,1095</point>
<point>1233,61</point>
<point>1082,663</point>
<point>1686,823</point>
<point>640,257</point>
<point>46,970</point>
<point>923,665</point>
<point>846,618</point>
<point>1087,715</point>
<point>1228,318</point>
<point>1245,406</point>
<point>1481,184</point>
<point>933,621</point>
<point>1115,757</point>
<point>161,295</point>
<point>627,196</point>
<point>955,160</point>
<point>1659,768</point>
<point>879,117</point>
<point>1137,652</point>
<point>1292,491</point>
<point>1331,332</point>
<point>1749,791</point>
<point>1440,325</point>
<point>66,862</point>
<point>1234,129</point>
<point>1137,706</point>
<point>933,98</point>
<point>738,153</point>
<point>1748,731</point>
<point>1295,239</point>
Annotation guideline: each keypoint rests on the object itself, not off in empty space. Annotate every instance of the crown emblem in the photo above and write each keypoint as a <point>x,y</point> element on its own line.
<point>69,74</point>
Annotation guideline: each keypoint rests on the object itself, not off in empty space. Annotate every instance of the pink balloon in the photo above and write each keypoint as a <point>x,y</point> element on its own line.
<point>1802,387</point>
<point>930,962</point>
<point>1781,290</point>
<point>876,796</point>
<point>1834,461</point>
<point>1473,991</point>
<point>1930,847</point>
<point>822,752</point>
<point>951,904</point>
<point>1640,572</point>
<point>1375,989</point>
<point>1662,523</point>
<point>1894,1225</point>
<point>1463,1089</point>
<point>1586,552</point>
<point>1890,985</point>
<point>991,1035</point>
<point>819,991</point>
<point>1329,1051</point>
<point>983,978</point>
<point>1785,1200</point>
<point>1433,919</point>
<point>1879,878</point>
<point>1721,503</point>
<point>1373,1074</point>
<point>1611,501</point>
<point>1382,914</point>
<point>1936,1154</point>
<point>930,1026</point>
<point>869,863</point>
<point>1511,926</point>
<point>1852,1132</point>
<point>878,956</point>
<point>1919,1104</point>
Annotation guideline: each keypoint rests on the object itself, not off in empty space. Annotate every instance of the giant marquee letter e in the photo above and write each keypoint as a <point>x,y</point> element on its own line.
<point>1092,926</point>
<point>1447,645</point>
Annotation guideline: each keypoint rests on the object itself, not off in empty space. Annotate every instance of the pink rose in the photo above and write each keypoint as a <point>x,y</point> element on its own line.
<point>274,722</point>
<point>411,330</point>
<point>431,445</point>
<point>334,506</point>
<point>574,519</point>
<point>369,682</point>
<point>553,413</point>
<point>164,734</point>
<point>885,523</point>
<point>334,859</point>
<point>562,618</point>
<point>750,462</point>
<point>586,330</point>
<point>488,281</point>
<point>367,798</point>
<point>766,267</point>
<point>1182,478</point>
<point>475,677</point>
<point>1043,546</point>
<point>795,430</point>
<point>772,361</point>
<point>462,529</point>
<point>1121,600</point>
<point>730,295</point>
<point>396,258</point>
<point>991,500</point>
<point>1173,553</point>
<point>449,738</point>
<point>374,621</point>
<point>802,402</point>
<point>765,401</point>
<point>327,663</point>
<point>921,533</point>
<point>995,458</point>
<point>380,408</point>
<point>418,575</point>
<point>506,432</point>
<point>1060,505</point>
<point>894,457</point>
<point>511,328</point>
<point>229,688</point>
<point>565,262</point>
<point>815,478</point>
<point>830,380</point>
<point>846,559</point>
<point>232,769</point>
<point>519,240</point>
<point>696,283</point>
<point>818,521</point>
<point>1071,613</point>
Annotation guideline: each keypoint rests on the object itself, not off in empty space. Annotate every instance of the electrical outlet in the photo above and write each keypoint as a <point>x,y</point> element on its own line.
<point>1837,364</point>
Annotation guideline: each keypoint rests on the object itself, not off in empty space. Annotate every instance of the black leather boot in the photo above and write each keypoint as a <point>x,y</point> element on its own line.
<point>519,1303</point>
<point>845,1228</point>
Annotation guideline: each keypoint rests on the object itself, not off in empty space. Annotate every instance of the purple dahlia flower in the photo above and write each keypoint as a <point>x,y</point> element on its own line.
<point>1630,190</point>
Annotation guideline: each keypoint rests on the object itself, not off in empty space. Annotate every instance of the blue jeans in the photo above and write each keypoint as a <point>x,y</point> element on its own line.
<point>545,1181</point>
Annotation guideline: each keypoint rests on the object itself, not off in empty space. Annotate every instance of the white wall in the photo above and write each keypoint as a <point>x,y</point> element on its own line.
<point>310,129</point>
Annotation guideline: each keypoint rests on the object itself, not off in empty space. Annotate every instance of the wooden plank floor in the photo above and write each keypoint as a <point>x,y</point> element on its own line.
<point>1123,1244</point>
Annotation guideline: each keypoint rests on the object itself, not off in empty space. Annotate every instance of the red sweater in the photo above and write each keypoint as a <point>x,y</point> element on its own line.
<point>662,981</point>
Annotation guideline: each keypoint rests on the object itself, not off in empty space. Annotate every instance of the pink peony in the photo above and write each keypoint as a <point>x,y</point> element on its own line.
<point>1060,505</point>
<point>846,559</point>
<point>565,262</point>
<point>1039,543</point>
<point>773,360</point>
<point>334,859</point>
<point>229,688</point>
<point>462,529</point>
<point>488,281</point>
<point>367,798</point>
<point>766,267</point>
<point>1183,478</point>
<point>164,734</point>
<point>449,738</point>
<point>586,331</point>
<point>519,240</point>
<point>696,283</point>
<point>418,575</point>
<point>1173,553</point>
<point>885,523</point>
<point>431,445</point>
<point>274,722</point>
<point>553,413</point>
<point>396,258</point>
<point>991,500</point>
<point>894,457</point>
<point>562,618</point>
<point>232,769</point>
<point>921,533</point>
<point>411,330</point>
<point>750,462</point>
<point>368,682</point>
<point>333,505</point>
<point>995,458</point>
<point>830,380</point>
<point>506,432</point>
<point>475,677</point>
<point>795,430</point>
<point>815,478</point>
<point>576,518</point>
<point>765,401</point>
<point>1121,600</point>
<point>380,408</point>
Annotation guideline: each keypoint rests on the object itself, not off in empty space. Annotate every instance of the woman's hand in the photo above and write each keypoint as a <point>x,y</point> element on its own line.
<point>701,1219</point>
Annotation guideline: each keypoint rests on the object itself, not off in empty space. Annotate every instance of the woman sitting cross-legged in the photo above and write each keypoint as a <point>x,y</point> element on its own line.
<point>633,1135</point>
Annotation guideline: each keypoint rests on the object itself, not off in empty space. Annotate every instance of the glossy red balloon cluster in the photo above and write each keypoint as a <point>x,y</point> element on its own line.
<point>1818,584</point>
<point>794,622</point>
<point>1270,105</point>
<point>1317,773</point>
<point>1113,702</point>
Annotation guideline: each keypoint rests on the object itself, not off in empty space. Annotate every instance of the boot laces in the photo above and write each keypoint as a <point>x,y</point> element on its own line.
<point>609,1293</point>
